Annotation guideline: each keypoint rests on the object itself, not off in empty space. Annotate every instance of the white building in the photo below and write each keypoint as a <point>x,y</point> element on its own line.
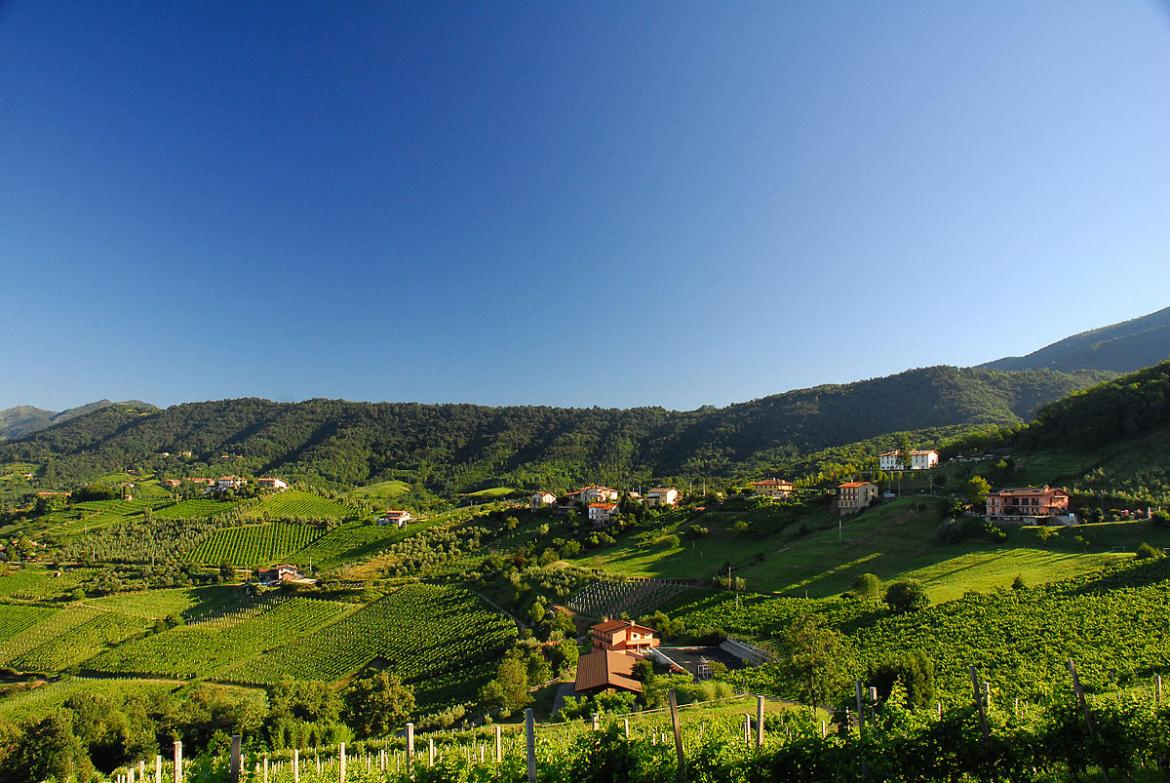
<point>272,483</point>
<point>601,513</point>
<point>773,488</point>
<point>224,483</point>
<point>919,460</point>
<point>598,494</point>
<point>543,499</point>
<point>396,518</point>
<point>662,496</point>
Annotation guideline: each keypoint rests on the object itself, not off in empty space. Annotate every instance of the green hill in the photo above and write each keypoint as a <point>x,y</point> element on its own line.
<point>1122,347</point>
<point>466,448</point>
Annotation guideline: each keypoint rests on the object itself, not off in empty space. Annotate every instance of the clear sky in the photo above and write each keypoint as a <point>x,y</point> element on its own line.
<point>672,203</point>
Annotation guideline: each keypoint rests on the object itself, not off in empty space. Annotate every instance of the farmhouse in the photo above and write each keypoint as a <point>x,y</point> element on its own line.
<point>601,513</point>
<point>662,496</point>
<point>773,488</point>
<point>595,494</point>
<point>281,574</point>
<point>602,669</point>
<point>396,518</point>
<point>170,483</point>
<point>919,460</point>
<point>542,499</point>
<point>622,636</point>
<point>272,483</point>
<point>853,496</point>
<point>1027,503</point>
<point>224,483</point>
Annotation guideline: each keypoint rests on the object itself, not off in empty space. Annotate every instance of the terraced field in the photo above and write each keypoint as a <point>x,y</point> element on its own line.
<point>194,509</point>
<point>202,649</point>
<point>422,633</point>
<point>37,583</point>
<point>348,542</point>
<point>295,504</point>
<point>16,619</point>
<point>254,545</point>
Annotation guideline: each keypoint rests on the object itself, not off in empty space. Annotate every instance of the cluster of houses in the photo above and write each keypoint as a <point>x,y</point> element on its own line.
<point>224,483</point>
<point>282,574</point>
<point>600,502</point>
<point>396,517</point>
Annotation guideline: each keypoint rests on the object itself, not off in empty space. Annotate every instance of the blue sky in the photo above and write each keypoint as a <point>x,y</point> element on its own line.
<point>573,204</point>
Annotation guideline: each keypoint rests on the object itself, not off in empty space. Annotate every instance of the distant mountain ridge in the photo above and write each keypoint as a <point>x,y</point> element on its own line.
<point>455,448</point>
<point>1123,347</point>
<point>22,420</point>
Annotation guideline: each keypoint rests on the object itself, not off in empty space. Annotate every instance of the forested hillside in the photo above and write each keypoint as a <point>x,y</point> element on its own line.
<point>24,420</point>
<point>1122,347</point>
<point>450,448</point>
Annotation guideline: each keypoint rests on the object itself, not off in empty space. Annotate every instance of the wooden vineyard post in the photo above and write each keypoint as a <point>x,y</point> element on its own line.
<point>678,746</point>
<point>979,705</point>
<point>747,729</point>
<point>759,722</point>
<point>861,727</point>
<point>431,751</point>
<point>142,770</point>
<point>341,762</point>
<point>1084,705</point>
<point>938,707</point>
<point>987,694</point>
<point>265,768</point>
<point>178,761</point>
<point>824,730</point>
<point>626,721</point>
<point>158,768</point>
<point>499,744</point>
<point>296,766</point>
<point>530,739</point>
<point>236,762</point>
<point>1157,689</point>
<point>409,746</point>
<point>596,721</point>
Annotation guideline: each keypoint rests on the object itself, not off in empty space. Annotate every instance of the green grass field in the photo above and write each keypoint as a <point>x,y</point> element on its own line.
<point>491,493</point>
<point>381,491</point>
<point>254,545</point>
<point>295,504</point>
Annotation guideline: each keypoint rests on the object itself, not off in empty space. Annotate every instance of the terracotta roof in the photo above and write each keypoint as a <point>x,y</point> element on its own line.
<point>606,669</point>
<point>771,483</point>
<point>616,625</point>
<point>853,484</point>
<point>606,506</point>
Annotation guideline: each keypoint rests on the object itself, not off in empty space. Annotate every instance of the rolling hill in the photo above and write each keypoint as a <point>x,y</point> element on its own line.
<point>459,448</point>
<point>23,420</point>
<point>1122,347</point>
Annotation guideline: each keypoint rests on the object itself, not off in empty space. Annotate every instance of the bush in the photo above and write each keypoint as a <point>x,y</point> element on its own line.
<point>867,586</point>
<point>1147,552</point>
<point>907,596</point>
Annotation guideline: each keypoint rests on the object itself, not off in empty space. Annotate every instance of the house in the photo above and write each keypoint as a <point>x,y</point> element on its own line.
<point>662,496</point>
<point>622,636</point>
<point>51,494</point>
<point>170,483</point>
<point>281,574</point>
<point>201,480</point>
<point>919,460</point>
<point>773,488</point>
<point>601,513</point>
<point>853,496</point>
<point>603,669</point>
<point>542,499</point>
<point>1027,503</point>
<point>597,494</point>
<point>272,483</point>
<point>224,483</point>
<point>396,518</point>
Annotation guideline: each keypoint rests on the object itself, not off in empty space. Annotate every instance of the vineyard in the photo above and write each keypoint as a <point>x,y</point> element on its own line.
<point>193,509</point>
<point>254,545</point>
<point>65,637</point>
<point>295,504</point>
<point>605,598</point>
<point>202,649</point>
<point>420,632</point>
<point>348,542</point>
<point>37,583</point>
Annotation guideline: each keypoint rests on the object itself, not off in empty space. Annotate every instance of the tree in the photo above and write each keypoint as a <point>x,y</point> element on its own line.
<point>907,596</point>
<point>867,586</point>
<point>508,691</point>
<point>813,666</point>
<point>914,671</point>
<point>904,450</point>
<point>1147,552</point>
<point>375,705</point>
<point>49,750</point>
<point>977,490</point>
<point>1018,583</point>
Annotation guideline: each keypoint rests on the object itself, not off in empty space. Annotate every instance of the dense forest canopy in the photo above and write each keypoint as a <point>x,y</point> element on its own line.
<point>451,448</point>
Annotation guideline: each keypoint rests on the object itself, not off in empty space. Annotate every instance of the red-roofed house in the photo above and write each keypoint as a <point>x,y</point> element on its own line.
<point>853,496</point>
<point>602,669</point>
<point>622,636</point>
<point>1027,502</point>
<point>773,488</point>
<point>601,513</point>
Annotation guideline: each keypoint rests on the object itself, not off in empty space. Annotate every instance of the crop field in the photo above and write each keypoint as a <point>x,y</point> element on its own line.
<point>16,619</point>
<point>254,545</point>
<point>349,542</point>
<point>194,509</point>
<point>66,637</point>
<point>421,632</point>
<point>21,703</point>
<point>200,650</point>
<point>37,583</point>
<point>294,504</point>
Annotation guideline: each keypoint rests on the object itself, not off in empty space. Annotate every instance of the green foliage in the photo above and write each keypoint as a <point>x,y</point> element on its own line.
<point>977,490</point>
<point>907,596</point>
<point>813,660</point>
<point>867,586</point>
<point>913,672</point>
<point>254,545</point>
<point>507,692</point>
<point>377,705</point>
<point>1147,552</point>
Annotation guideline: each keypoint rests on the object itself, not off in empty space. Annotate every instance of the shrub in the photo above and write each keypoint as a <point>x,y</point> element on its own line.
<point>907,596</point>
<point>1147,552</point>
<point>867,586</point>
